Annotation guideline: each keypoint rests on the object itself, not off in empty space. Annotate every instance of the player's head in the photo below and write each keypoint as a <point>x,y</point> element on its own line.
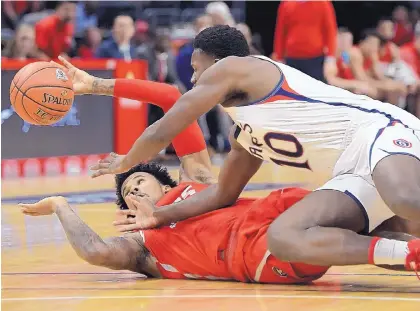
<point>150,180</point>
<point>370,42</point>
<point>66,10</point>
<point>385,28</point>
<point>215,43</point>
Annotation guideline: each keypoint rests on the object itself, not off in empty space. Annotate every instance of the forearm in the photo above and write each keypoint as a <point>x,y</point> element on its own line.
<point>83,239</point>
<point>203,202</point>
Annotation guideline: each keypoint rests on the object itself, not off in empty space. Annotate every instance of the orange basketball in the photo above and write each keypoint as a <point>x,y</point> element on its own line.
<point>41,93</point>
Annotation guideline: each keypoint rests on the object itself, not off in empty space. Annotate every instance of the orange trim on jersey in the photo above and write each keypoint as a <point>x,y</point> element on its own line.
<point>286,87</point>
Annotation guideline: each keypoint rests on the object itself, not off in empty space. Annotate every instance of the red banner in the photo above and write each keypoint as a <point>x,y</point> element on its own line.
<point>130,116</point>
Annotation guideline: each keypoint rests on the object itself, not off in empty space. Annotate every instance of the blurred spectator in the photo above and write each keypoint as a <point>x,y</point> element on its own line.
<point>220,13</point>
<point>361,67</point>
<point>306,32</point>
<point>54,34</point>
<point>248,36</point>
<point>183,59</point>
<point>339,74</point>
<point>410,53</point>
<point>403,26</point>
<point>119,46</point>
<point>12,11</point>
<point>86,16</point>
<point>23,44</point>
<point>388,51</point>
<point>388,63</point>
<point>91,41</point>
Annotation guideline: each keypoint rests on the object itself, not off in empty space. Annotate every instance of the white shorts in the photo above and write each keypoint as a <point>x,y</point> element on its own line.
<point>353,170</point>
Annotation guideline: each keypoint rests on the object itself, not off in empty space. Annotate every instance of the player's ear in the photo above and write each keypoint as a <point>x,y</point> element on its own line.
<point>166,189</point>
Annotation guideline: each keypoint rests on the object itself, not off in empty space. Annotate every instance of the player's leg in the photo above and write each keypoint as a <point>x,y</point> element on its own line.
<point>400,225</point>
<point>321,229</point>
<point>395,163</point>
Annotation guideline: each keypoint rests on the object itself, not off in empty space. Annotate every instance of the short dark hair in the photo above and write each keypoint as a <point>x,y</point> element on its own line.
<point>158,171</point>
<point>222,41</point>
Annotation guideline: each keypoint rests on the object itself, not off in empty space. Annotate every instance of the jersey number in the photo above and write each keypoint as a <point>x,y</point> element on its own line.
<point>271,136</point>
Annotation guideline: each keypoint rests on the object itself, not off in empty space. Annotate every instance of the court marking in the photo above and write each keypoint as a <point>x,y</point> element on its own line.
<point>382,298</point>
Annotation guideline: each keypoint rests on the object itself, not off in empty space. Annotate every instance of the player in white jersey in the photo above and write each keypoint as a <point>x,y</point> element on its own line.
<point>370,150</point>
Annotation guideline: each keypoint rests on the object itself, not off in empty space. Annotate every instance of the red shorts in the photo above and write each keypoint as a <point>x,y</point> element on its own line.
<point>248,257</point>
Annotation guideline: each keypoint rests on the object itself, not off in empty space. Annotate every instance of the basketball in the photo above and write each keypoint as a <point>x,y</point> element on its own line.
<point>41,93</point>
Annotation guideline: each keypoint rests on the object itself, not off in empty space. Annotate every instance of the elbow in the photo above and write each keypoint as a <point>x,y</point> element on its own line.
<point>97,257</point>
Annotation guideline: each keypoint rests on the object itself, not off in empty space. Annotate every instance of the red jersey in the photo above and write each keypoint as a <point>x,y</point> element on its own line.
<point>343,69</point>
<point>385,54</point>
<point>228,243</point>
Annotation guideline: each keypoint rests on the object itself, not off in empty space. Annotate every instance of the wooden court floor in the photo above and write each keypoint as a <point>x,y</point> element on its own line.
<point>41,272</point>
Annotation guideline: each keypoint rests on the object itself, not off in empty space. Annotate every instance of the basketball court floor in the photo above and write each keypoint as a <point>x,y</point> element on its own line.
<point>40,271</point>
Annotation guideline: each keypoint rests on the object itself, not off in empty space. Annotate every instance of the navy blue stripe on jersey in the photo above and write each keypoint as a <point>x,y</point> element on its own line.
<point>271,94</point>
<point>337,104</point>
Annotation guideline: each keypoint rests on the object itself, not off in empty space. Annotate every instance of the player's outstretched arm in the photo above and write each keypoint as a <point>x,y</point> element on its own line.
<point>119,253</point>
<point>235,173</point>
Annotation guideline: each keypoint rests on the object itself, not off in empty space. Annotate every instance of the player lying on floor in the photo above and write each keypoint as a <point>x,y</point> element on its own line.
<point>228,243</point>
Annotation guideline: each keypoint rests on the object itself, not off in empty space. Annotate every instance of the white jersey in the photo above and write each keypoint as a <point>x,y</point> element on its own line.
<point>305,123</point>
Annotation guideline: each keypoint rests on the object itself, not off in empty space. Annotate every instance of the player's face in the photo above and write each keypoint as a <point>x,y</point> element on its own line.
<point>144,185</point>
<point>386,29</point>
<point>200,61</point>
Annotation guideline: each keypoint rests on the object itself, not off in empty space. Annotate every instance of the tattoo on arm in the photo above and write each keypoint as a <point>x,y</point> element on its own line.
<point>103,86</point>
<point>117,253</point>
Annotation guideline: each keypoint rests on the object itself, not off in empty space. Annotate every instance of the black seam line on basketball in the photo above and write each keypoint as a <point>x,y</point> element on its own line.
<point>37,72</point>
<point>15,83</point>
<point>23,106</point>
<point>33,87</point>
<point>18,90</point>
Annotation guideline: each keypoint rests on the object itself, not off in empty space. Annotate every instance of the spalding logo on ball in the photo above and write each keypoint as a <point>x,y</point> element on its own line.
<point>41,93</point>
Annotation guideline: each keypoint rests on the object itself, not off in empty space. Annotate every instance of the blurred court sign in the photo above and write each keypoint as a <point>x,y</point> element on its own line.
<point>89,128</point>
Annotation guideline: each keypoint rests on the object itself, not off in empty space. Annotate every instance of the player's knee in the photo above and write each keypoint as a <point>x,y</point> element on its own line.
<point>406,202</point>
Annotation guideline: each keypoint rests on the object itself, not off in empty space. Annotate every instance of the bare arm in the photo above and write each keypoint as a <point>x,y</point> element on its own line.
<point>237,170</point>
<point>356,64</point>
<point>196,167</point>
<point>214,85</point>
<point>331,72</point>
<point>118,253</point>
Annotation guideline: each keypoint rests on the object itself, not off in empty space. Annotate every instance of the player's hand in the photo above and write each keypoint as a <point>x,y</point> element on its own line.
<point>112,164</point>
<point>143,210</point>
<point>44,207</point>
<point>82,81</point>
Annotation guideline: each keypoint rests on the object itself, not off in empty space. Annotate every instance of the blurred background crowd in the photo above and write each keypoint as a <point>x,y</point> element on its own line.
<point>384,62</point>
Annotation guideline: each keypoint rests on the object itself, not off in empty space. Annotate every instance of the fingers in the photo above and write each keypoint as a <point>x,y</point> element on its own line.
<point>100,165</point>
<point>66,63</point>
<point>126,212</point>
<point>100,172</point>
<point>57,64</point>
<point>126,221</point>
<point>126,228</point>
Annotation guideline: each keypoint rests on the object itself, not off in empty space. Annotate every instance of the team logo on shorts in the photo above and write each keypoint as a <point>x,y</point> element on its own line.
<point>279,272</point>
<point>60,75</point>
<point>402,143</point>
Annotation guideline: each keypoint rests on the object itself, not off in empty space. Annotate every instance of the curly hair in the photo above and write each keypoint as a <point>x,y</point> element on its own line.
<point>158,171</point>
<point>222,41</point>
